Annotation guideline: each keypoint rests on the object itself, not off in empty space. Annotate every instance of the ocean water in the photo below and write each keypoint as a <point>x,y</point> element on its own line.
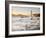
<point>25,24</point>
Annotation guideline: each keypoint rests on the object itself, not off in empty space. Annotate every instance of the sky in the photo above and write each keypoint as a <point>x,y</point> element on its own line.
<point>25,10</point>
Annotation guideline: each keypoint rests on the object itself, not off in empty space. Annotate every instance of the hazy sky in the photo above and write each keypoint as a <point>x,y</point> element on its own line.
<point>25,10</point>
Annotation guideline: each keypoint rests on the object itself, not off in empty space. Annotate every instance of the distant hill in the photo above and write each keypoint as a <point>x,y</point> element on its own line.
<point>36,15</point>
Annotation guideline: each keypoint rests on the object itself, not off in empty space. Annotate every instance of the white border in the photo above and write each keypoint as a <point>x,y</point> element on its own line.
<point>25,32</point>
